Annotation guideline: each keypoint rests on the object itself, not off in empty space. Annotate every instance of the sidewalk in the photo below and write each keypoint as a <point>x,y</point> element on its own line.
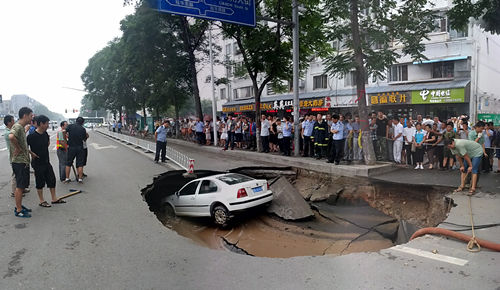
<point>298,162</point>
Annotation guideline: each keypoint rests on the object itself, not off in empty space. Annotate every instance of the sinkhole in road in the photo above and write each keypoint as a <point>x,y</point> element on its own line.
<point>348,215</point>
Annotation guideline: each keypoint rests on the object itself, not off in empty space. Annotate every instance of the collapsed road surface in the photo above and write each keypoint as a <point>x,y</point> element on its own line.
<point>312,214</point>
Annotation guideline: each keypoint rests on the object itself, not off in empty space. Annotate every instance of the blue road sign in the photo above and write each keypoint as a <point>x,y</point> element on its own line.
<point>234,11</point>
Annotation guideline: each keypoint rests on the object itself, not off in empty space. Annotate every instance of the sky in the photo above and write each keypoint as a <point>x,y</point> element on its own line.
<point>45,46</point>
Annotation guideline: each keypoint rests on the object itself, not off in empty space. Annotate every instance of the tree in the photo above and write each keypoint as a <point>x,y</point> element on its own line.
<point>486,12</point>
<point>374,34</point>
<point>267,49</point>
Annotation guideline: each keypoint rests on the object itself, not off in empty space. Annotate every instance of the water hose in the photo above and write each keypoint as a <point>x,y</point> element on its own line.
<point>458,236</point>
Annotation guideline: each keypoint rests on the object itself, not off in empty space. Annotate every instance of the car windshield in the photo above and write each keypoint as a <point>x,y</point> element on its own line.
<point>234,178</point>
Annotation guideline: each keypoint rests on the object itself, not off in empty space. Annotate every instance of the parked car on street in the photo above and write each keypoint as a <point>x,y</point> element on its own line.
<point>219,196</point>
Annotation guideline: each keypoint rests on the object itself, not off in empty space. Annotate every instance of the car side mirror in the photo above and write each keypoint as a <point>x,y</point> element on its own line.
<point>176,193</point>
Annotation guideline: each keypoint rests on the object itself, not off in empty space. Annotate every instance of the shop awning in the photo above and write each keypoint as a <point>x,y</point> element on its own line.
<point>441,59</point>
<point>352,92</point>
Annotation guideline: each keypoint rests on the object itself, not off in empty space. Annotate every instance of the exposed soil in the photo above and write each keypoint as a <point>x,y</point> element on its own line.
<point>350,215</point>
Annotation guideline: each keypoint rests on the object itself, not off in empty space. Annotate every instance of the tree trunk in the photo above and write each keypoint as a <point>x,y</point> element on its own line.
<point>178,122</point>
<point>367,143</point>
<point>144,114</point>
<point>187,39</point>
<point>120,114</point>
<point>257,113</point>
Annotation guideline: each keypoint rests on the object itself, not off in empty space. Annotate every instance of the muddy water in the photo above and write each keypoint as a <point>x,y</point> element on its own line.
<point>351,215</point>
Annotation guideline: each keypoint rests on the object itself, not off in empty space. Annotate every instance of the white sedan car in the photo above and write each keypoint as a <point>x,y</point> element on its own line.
<point>219,196</point>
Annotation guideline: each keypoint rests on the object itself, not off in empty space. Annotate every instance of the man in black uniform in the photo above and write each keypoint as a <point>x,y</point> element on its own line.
<point>320,136</point>
<point>76,135</point>
<point>39,143</point>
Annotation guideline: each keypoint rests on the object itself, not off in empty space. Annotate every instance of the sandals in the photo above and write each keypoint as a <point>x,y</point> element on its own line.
<point>472,191</point>
<point>44,204</point>
<point>459,189</point>
<point>58,201</point>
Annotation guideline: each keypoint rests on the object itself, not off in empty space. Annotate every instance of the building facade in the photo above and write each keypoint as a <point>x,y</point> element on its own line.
<point>459,77</point>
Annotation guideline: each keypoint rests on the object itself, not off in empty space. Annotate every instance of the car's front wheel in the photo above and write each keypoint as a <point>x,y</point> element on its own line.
<point>220,215</point>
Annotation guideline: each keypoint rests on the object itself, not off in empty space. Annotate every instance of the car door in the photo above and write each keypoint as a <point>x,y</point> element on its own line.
<point>185,198</point>
<point>207,194</point>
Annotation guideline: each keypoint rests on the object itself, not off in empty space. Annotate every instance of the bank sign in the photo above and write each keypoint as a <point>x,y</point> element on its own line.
<point>438,96</point>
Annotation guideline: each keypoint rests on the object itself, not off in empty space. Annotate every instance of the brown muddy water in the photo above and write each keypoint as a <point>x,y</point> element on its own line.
<point>350,215</point>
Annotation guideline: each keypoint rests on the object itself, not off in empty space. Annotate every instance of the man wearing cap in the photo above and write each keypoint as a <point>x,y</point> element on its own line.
<point>161,142</point>
<point>337,130</point>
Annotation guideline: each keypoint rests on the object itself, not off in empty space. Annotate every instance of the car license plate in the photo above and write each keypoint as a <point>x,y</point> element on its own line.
<point>257,189</point>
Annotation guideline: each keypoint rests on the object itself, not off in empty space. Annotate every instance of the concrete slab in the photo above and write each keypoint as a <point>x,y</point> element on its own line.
<point>288,203</point>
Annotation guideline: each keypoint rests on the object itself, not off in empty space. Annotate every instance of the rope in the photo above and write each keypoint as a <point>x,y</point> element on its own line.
<point>472,245</point>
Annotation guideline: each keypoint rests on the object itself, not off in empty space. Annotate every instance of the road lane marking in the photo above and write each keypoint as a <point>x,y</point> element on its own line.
<point>99,147</point>
<point>429,255</point>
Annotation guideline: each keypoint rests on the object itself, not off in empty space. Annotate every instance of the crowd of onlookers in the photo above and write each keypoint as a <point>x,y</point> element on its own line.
<point>402,140</point>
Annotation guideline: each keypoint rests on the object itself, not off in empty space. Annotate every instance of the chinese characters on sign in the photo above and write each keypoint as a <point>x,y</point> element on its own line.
<point>438,96</point>
<point>389,98</point>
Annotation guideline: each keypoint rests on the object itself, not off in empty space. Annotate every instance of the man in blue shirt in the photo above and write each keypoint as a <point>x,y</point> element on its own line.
<point>198,127</point>
<point>337,130</point>
<point>287,135</point>
<point>307,130</point>
<point>161,142</point>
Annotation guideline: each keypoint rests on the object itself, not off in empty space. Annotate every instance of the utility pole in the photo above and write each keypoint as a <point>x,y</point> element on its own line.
<point>214,104</point>
<point>296,108</point>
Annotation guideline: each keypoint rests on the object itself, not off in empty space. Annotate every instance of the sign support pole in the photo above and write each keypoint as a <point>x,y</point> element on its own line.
<point>296,113</point>
<point>214,104</point>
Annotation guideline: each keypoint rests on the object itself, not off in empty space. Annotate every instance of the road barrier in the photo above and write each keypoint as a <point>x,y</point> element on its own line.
<point>175,156</point>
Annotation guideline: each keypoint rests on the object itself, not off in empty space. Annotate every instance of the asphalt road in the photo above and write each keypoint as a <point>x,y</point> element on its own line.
<point>106,238</point>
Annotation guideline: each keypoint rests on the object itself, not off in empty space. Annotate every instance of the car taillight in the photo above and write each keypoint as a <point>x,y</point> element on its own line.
<point>242,193</point>
<point>268,185</point>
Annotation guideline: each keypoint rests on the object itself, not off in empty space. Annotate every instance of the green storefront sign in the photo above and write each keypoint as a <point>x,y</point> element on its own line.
<point>495,118</point>
<point>438,96</point>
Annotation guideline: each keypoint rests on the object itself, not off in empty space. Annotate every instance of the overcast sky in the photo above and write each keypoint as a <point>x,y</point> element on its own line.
<point>45,46</point>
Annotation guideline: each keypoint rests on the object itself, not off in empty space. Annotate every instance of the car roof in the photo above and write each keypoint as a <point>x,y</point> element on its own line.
<point>219,175</point>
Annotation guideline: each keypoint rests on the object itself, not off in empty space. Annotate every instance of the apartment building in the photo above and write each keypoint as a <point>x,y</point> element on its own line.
<point>460,76</point>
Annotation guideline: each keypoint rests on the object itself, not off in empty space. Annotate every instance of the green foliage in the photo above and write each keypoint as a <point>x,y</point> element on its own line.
<point>382,24</point>
<point>144,69</point>
<point>487,12</point>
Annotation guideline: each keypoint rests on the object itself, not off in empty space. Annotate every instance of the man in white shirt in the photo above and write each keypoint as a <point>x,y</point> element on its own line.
<point>398,140</point>
<point>264,133</point>
<point>408,134</point>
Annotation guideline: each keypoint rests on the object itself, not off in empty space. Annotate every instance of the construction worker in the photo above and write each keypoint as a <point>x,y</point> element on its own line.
<point>320,136</point>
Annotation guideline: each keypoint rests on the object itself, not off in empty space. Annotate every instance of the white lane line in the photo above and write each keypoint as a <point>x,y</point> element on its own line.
<point>429,255</point>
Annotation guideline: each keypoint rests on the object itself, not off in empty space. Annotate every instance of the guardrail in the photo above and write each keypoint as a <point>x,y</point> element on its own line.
<point>175,156</point>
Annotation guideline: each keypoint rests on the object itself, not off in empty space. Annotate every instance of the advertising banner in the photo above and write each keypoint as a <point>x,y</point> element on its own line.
<point>495,118</point>
<point>438,96</point>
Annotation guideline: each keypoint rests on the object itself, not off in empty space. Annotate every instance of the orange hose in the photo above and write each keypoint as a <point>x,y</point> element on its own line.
<point>458,236</point>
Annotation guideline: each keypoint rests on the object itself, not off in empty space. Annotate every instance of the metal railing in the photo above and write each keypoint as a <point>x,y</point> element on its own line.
<point>175,156</point>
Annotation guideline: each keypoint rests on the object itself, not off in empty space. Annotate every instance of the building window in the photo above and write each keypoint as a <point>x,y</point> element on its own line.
<point>457,33</point>
<point>442,69</point>
<point>228,49</point>
<point>245,93</point>
<point>270,90</point>
<point>223,94</point>
<point>440,23</point>
<point>236,49</point>
<point>398,73</point>
<point>350,79</point>
<point>320,82</point>
<point>235,94</point>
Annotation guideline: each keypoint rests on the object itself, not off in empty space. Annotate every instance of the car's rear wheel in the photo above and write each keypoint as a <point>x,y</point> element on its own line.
<point>220,215</point>
<point>169,210</point>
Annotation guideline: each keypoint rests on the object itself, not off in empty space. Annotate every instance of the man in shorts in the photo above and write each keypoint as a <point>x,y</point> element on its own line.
<point>76,135</point>
<point>20,159</point>
<point>39,142</point>
<point>469,155</point>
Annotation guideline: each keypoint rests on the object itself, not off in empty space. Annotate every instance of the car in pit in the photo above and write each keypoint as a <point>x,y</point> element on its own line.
<point>218,196</point>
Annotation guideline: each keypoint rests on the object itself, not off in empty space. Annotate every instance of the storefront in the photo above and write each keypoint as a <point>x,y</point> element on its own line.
<point>442,99</point>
